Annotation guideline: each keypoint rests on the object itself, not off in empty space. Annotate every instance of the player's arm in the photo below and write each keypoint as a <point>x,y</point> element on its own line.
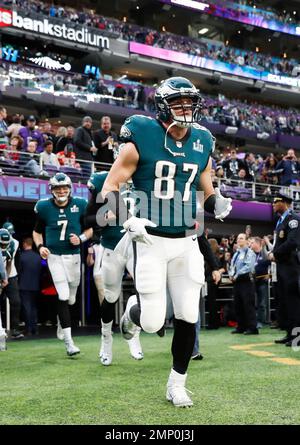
<point>122,170</point>
<point>82,238</point>
<point>37,236</point>
<point>214,202</point>
<point>90,261</point>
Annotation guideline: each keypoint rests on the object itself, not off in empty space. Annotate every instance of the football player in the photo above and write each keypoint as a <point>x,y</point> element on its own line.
<point>168,159</point>
<point>61,219</point>
<point>4,242</point>
<point>109,269</point>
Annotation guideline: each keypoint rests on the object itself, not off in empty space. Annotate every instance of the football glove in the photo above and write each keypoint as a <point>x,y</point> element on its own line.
<point>135,227</point>
<point>223,205</point>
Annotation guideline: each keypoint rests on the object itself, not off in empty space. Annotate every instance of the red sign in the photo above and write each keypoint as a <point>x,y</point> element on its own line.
<point>5,17</point>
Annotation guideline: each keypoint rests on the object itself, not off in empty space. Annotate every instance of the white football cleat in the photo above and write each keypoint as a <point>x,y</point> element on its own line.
<point>72,349</point>
<point>135,347</point>
<point>59,331</point>
<point>3,343</point>
<point>176,391</point>
<point>106,349</point>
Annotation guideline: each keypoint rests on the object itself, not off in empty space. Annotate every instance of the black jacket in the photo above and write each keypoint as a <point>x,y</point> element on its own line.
<point>83,142</point>
<point>288,240</point>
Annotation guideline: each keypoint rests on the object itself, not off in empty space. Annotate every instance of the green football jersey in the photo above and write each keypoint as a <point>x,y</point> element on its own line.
<point>111,234</point>
<point>60,222</point>
<point>8,254</point>
<point>166,179</point>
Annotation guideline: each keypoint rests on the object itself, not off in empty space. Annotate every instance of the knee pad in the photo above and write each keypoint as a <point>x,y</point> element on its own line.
<point>112,294</point>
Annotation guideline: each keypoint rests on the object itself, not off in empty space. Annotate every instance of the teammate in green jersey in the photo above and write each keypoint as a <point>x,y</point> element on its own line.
<point>60,219</point>
<point>109,270</point>
<point>168,159</point>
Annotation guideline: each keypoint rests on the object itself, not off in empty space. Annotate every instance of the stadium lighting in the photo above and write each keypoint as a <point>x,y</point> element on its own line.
<point>203,31</point>
<point>191,3</point>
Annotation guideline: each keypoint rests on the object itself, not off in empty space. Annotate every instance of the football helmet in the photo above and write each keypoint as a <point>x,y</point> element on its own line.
<point>9,226</point>
<point>5,239</point>
<point>178,88</point>
<point>60,180</point>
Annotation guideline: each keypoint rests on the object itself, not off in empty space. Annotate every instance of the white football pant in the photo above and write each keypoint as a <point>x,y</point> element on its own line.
<point>65,271</point>
<point>173,263</point>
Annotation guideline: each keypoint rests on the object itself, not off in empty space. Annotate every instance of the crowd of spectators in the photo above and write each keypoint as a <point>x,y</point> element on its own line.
<point>131,32</point>
<point>261,119</point>
<point>39,149</point>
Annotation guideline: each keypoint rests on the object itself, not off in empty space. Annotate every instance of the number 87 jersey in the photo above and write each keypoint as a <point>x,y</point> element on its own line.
<point>59,222</point>
<point>168,172</point>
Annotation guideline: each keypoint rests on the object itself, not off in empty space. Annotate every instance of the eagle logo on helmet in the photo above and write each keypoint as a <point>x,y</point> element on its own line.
<point>60,180</point>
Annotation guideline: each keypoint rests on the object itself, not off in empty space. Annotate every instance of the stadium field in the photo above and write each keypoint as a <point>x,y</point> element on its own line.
<point>242,380</point>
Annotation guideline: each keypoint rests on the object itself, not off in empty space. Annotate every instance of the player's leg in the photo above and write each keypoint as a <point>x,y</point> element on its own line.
<point>2,336</point>
<point>59,275</point>
<point>185,278</point>
<point>97,276</point>
<point>112,270</point>
<point>149,270</point>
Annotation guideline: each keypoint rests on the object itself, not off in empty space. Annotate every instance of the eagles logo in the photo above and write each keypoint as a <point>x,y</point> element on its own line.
<point>125,132</point>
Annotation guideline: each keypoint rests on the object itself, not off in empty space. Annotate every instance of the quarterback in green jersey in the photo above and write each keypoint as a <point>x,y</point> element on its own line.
<point>169,160</point>
<point>60,219</point>
<point>109,269</point>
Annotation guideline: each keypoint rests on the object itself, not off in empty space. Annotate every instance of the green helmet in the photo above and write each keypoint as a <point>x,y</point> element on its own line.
<point>9,226</point>
<point>95,182</point>
<point>5,239</point>
<point>60,180</point>
<point>177,88</point>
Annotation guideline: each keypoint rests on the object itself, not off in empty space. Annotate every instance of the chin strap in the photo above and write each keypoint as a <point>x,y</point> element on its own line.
<point>174,153</point>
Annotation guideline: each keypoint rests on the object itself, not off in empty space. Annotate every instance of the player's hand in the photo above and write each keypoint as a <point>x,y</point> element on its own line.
<point>216,275</point>
<point>44,252</point>
<point>74,239</point>
<point>271,256</point>
<point>135,227</point>
<point>223,205</point>
<point>4,283</point>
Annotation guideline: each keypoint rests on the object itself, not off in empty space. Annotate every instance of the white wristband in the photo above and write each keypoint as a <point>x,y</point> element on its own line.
<point>83,238</point>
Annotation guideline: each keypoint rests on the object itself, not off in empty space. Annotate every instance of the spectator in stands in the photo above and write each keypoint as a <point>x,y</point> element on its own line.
<point>30,161</point>
<point>268,170</point>
<point>67,157</point>
<point>84,144</point>
<point>48,157</point>
<point>106,141</point>
<point>48,133</point>
<point>120,94</point>
<point>262,264</point>
<point>14,148</point>
<point>289,169</point>
<point>232,165</point>
<point>29,133</point>
<point>241,274</point>
<point>101,88</point>
<point>14,128</point>
<point>3,128</point>
<point>141,97</point>
<point>29,284</point>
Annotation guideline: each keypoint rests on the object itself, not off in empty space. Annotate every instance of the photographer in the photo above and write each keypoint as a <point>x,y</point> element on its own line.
<point>289,169</point>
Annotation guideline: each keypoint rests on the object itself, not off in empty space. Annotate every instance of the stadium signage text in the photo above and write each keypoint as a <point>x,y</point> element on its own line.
<point>27,189</point>
<point>60,31</point>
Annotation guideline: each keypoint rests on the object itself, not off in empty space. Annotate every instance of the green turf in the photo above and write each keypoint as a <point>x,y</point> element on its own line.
<point>41,385</point>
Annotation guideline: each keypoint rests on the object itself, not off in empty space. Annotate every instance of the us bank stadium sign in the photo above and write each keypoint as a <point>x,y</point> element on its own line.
<point>30,189</point>
<point>11,18</point>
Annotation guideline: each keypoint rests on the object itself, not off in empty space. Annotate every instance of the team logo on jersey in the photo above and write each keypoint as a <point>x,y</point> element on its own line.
<point>74,209</point>
<point>293,224</point>
<point>125,132</point>
<point>197,146</point>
